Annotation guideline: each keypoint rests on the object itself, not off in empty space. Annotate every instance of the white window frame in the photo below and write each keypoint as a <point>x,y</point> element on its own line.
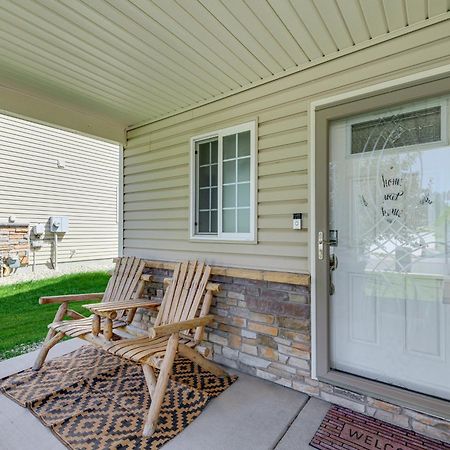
<point>221,236</point>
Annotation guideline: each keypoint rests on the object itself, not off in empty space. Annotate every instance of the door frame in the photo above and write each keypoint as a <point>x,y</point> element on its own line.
<point>430,83</point>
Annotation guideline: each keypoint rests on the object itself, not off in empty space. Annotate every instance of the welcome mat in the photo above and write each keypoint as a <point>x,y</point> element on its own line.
<point>93,400</point>
<point>342,429</point>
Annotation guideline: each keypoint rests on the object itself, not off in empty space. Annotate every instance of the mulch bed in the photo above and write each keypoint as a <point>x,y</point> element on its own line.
<point>93,400</point>
<point>343,429</point>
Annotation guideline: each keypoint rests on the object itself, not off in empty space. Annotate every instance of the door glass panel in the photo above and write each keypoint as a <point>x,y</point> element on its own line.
<point>398,130</point>
<point>390,202</point>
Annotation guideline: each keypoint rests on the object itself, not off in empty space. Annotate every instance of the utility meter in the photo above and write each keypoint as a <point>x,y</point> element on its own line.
<point>38,229</point>
<point>59,224</point>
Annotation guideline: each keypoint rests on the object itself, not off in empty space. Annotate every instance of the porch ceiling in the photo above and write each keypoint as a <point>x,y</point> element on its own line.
<point>136,60</point>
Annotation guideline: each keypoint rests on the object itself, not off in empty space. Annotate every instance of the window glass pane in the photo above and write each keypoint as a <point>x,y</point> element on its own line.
<point>214,152</point>
<point>401,130</point>
<point>229,172</point>
<point>203,221</point>
<point>203,153</point>
<point>244,143</point>
<point>213,221</point>
<point>204,199</point>
<point>229,221</point>
<point>243,194</point>
<point>214,198</point>
<point>243,220</point>
<point>214,175</point>
<point>229,196</point>
<point>203,176</point>
<point>229,146</point>
<point>244,169</point>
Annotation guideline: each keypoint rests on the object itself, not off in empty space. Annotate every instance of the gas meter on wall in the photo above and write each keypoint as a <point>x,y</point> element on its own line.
<point>59,224</point>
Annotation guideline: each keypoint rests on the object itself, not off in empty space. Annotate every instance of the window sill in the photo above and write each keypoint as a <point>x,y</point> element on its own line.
<point>215,240</point>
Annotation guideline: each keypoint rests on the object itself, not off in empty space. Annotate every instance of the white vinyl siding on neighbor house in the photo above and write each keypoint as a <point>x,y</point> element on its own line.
<point>50,172</point>
<point>157,162</point>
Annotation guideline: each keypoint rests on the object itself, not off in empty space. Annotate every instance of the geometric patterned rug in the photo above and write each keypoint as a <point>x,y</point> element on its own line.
<point>93,400</point>
<point>342,429</point>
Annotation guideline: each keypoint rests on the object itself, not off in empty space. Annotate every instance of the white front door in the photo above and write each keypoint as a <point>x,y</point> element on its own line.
<point>390,202</point>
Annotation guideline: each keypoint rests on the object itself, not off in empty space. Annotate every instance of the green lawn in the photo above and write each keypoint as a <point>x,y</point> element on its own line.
<point>23,322</point>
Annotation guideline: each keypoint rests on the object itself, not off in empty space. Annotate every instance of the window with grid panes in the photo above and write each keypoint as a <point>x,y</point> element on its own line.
<point>223,175</point>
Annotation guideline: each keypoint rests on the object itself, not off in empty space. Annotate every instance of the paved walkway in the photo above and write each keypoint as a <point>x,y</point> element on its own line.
<point>253,414</point>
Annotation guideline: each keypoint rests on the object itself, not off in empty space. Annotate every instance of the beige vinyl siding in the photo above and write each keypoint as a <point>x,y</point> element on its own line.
<point>33,187</point>
<point>156,158</point>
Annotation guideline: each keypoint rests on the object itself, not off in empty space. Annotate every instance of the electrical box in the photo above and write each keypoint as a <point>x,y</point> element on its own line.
<point>59,224</point>
<point>38,229</point>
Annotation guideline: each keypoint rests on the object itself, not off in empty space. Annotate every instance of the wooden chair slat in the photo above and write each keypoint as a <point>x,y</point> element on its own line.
<point>199,294</point>
<point>111,282</point>
<point>130,291</point>
<point>193,291</point>
<point>124,292</point>
<point>122,263</point>
<point>165,306</point>
<point>123,279</point>
<point>174,300</point>
<point>179,305</point>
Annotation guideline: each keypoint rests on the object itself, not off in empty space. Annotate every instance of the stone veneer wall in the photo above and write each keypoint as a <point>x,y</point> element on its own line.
<point>263,328</point>
<point>14,239</point>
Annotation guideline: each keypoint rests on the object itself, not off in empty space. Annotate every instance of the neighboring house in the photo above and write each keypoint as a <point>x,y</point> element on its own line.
<point>47,172</point>
<point>243,116</point>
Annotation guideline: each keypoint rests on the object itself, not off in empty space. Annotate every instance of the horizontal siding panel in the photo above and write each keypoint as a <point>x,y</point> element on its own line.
<point>156,195</point>
<point>167,183</point>
<point>157,205</point>
<point>288,250</point>
<point>164,224</point>
<point>157,156</point>
<point>282,124</point>
<point>161,164</point>
<point>283,180</point>
<point>282,152</point>
<point>288,165</point>
<point>285,193</point>
<point>245,260</point>
<point>157,174</point>
<point>284,138</point>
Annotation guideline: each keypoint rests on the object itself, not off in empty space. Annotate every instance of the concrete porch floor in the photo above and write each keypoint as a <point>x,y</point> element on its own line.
<point>253,414</point>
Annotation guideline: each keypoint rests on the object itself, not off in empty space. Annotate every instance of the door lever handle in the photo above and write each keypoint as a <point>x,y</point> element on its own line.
<point>334,262</point>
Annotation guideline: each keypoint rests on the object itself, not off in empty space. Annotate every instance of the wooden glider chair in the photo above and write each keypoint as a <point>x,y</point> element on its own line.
<point>178,328</point>
<point>117,308</point>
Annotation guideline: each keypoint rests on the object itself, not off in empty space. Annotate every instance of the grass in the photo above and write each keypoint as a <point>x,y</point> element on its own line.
<point>23,322</point>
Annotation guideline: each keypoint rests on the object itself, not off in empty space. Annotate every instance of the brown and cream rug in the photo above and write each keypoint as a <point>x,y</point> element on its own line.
<point>92,400</point>
<point>342,429</point>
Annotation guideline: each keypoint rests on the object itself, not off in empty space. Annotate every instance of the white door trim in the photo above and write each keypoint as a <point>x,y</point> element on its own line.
<point>327,102</point>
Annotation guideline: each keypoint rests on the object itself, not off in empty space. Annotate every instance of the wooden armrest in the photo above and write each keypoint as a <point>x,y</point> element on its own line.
<point>164,330</point>
<point>70,298</point>
<point>115,306</point>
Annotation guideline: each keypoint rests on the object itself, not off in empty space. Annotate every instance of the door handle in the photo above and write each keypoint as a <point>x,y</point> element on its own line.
<point>334,262</point>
